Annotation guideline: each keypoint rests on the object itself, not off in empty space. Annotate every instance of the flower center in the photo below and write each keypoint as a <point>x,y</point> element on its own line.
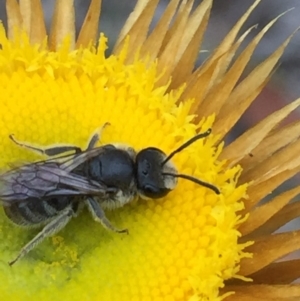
<point>178,246</point>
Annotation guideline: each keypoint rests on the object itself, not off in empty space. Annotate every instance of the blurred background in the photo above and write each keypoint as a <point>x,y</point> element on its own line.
<point>284,85</point>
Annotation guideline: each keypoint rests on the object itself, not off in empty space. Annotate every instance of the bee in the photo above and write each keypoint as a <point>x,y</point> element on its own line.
<point>50,193</point>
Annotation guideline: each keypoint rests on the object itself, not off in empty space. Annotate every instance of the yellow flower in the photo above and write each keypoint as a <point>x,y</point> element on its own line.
<point>192,244</point>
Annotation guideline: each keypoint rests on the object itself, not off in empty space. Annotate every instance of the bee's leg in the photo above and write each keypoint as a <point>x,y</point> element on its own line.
<point>50,150</point>
<point>96,137</point>
<point>99,216</point>
<point>53,150</point>
<point>51,228</point>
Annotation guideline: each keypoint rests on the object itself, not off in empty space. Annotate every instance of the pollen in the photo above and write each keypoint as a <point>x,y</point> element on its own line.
<point>178,247</point>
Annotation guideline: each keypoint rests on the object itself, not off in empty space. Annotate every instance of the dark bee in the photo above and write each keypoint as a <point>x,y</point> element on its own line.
<point>49,193</point>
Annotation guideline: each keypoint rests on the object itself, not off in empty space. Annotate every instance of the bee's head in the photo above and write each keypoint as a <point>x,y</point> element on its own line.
<point>156,175</point>
<point>152,182</point>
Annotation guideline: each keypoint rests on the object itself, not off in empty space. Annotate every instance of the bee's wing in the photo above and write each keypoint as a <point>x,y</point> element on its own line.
<point>45,180</point>
<point>73,162</point>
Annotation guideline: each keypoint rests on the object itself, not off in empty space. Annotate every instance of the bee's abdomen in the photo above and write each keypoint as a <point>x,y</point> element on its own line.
<point>34,212</point>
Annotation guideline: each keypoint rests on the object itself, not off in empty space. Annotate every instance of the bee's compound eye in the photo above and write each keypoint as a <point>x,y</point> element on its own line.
<point>145,168</point>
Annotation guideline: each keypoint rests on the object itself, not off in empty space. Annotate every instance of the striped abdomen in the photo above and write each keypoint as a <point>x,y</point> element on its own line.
<point>35,212</point>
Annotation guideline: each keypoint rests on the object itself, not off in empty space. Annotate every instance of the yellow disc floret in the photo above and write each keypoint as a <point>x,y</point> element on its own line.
<point>179,247</point>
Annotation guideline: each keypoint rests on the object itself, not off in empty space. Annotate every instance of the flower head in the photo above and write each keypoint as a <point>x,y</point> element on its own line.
<point>189,245</point>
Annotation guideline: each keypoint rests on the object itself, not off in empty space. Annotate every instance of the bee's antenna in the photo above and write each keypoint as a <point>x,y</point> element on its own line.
<point>185,145</point>
<point>195,180</point>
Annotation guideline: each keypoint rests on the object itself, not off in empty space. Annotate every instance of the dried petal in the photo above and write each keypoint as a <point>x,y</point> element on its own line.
<point>89,30</point>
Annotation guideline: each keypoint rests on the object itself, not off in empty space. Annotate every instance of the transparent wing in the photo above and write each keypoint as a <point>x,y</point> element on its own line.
<point>45,179</point>
<point>69,164</point>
